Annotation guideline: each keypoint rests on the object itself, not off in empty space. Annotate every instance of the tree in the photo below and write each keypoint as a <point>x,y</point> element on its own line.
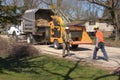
<point>24,4</point>
<point>59,3</point>
<point>29,5</point>
<point>113,6</point>
<point>8,14</point>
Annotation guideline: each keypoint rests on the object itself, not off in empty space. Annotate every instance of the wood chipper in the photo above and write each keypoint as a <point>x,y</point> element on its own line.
<point>78,33</point>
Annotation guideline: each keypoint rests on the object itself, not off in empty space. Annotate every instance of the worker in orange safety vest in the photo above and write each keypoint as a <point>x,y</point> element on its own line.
<point>99,43</point>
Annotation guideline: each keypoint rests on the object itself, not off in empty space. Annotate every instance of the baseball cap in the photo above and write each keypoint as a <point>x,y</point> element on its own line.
<point>96,27</point>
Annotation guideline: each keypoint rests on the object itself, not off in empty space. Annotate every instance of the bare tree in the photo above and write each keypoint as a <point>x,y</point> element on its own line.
<point>30,4</point>
<point>72,9</point>
<point>24,4</point>
<point>113,6</point>
<point>59,3</point>
<point>91,12</point>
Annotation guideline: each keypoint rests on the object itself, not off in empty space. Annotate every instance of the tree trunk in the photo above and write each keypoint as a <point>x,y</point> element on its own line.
<point>117,28</point>
<point>115,20</point>
<point>117,34</point>
<point>59,3</point>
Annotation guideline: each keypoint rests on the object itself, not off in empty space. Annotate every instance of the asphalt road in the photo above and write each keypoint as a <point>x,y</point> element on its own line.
<point>84,53</point>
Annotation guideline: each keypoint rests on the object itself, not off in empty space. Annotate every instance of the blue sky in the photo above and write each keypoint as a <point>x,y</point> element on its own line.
<point>85,5</point>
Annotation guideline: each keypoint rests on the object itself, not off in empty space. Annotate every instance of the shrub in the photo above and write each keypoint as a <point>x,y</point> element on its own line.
<point>9,48</point>
<point>23,50</point>
<point>5,46</point>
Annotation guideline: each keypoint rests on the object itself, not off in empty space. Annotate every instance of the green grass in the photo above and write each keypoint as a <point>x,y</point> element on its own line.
<point>50,68</point>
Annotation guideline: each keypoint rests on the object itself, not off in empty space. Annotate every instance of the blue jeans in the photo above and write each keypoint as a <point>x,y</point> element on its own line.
<point>100,46</point>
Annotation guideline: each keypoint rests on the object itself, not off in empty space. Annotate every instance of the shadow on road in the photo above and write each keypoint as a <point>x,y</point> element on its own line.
<point>80,49</point>
<point>73,49</point>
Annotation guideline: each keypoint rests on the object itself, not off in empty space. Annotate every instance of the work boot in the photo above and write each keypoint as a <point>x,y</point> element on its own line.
<point>63,55</point>
<point>68,53</point>
<point>106,60</point>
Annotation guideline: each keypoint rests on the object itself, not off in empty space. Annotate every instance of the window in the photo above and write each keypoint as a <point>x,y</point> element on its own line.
<point>56,22</point>
<point>92,22</point>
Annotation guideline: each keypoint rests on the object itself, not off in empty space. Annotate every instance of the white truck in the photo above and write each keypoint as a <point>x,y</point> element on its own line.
<point>13,30</point>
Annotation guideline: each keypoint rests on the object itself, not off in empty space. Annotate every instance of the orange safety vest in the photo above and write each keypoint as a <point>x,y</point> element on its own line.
<point>100,36</point>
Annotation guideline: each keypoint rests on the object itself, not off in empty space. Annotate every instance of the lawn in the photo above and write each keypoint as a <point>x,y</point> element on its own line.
<point>50,68</point>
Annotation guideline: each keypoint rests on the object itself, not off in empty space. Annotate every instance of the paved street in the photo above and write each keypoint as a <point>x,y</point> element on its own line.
<point>84,53</point>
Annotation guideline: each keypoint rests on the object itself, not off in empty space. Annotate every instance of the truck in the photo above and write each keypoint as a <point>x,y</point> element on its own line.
<point>42,25</point>
<point>13,30</point>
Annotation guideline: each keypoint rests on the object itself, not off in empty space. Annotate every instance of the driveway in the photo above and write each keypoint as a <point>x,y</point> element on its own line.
<point>85,53</point>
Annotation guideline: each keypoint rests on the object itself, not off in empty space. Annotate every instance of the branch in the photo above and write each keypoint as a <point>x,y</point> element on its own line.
<point>100,3</point>
<point>45,2</point>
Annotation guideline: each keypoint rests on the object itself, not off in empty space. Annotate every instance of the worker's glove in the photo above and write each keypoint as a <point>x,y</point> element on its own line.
<point>96,46</point>
<point>70,40</point>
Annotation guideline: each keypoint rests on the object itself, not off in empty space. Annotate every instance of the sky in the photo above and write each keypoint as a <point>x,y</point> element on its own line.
<point>85,5</point>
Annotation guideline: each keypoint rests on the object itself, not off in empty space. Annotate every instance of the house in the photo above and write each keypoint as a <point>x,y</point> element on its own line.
<point>106,28</point>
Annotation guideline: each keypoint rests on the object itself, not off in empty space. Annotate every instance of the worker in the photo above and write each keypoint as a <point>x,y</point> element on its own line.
<point>99,43</point>
<point>66,41</point>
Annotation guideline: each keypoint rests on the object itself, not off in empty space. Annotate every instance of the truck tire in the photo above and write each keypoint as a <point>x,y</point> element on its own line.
<point>8,35</point>
<point>15,36</point>
<point>56,44</point>
<point>29,39</point>
<point>74,46</point>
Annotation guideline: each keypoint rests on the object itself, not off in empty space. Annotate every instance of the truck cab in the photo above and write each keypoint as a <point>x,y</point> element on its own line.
<point>13,30</point>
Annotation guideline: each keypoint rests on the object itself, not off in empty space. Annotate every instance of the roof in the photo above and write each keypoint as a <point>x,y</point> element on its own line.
<point>31,10</point>
<point>75,23</point>
<point>36,9</point>
<point>32,13</point>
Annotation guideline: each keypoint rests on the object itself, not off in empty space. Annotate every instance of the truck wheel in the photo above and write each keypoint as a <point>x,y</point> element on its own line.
<point>56,44</point>
<point>15,36</point>
<point>8,35</point>
<point>29,39</point>
<point>74,46</point>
